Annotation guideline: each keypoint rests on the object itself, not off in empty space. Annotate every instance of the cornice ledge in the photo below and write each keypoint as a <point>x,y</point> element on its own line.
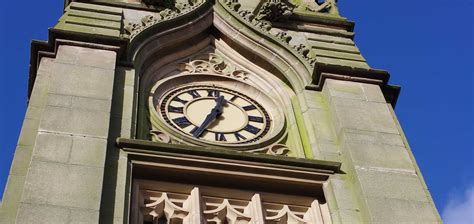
<point>378,77</point>
<point>56,37</point>
<point>143,146</point>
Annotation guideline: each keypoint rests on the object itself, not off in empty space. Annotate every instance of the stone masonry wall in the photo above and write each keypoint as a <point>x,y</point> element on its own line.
<point>59,162</point>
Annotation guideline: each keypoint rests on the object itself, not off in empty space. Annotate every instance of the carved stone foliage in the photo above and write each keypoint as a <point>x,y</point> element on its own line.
<point>275,11</point>
<point>169,206</point>
<point>275,150</point>
<point>214,65</point>
<point>169,9</point>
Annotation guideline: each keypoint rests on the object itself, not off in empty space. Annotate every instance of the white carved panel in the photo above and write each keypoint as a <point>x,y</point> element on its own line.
<point>175,205</point>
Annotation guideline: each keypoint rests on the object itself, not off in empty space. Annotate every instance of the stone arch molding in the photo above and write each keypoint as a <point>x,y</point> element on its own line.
<point>188,21</point>
<point>199,35</point>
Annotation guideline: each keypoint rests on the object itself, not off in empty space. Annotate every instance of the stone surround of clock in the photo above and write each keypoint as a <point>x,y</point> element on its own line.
<point>184,101</point>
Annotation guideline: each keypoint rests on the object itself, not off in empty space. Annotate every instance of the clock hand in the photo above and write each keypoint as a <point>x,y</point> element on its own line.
<point>215,112</point>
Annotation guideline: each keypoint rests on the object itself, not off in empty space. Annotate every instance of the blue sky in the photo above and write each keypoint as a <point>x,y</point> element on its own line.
<point>427,46</point>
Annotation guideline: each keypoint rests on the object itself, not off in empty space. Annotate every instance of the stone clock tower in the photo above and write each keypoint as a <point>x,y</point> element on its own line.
<point>197,111</point>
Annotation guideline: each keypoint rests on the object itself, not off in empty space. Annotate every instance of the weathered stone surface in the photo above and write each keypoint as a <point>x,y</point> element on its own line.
<point>363,115</point>
<point>53,147</point>
<point>59,100</point>
<point>28,132</point>
<point>371,137</point>
<point>375,156</point>
<point>391,157</point>
<point>21,160</point>
<point>82,81</point>
<point>42,214</point>
<point>12,196</point>
<point>390,184</point>
<point>77,121</point>
<point>82,56</point>
<point>389,210</point>
<point>82,216</point>
<point>63,185</point>
<point>88,151</point>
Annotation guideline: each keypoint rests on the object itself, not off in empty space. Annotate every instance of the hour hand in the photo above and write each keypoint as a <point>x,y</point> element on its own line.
<point>215,112</point>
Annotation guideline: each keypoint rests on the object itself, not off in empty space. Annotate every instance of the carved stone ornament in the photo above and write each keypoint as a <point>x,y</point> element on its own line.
<point>166,13</point>
<point>262,22</point>
<point>275,150</point>
<point>160,136</point>
<point>305,52</point>
<point>214,65</point>
<point>275,10</point>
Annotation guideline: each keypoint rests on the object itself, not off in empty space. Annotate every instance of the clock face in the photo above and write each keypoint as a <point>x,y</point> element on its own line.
<point>215,114</point>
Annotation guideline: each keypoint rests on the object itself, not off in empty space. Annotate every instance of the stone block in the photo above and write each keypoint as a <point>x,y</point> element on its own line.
<point>339,55</point>
<point>91,104</point>
<point>342,62</point>
<point>52,147</point>
<point>363,115</point>
<point>373,93</point>
<point>388,210</point>
<point>315,100</point>
<point>96,8</point>
<point>21,160</point>
<point>13,191</point>
<point>75,121</point>
<point>93,22</point>
<point>348,216</point>
<point>383,156</point>
<point>370,137</point>
<point>63,185</point>
<point>95,15</point>
<point>391,184</point>
<point>323,45</point>
<point>42,214</point>
<point>86,57</point>
<point>329,38</point>
<point>82,216</point>
<point>82,81</point>
<point>88,151</point>
<point>88,29</point>
<point>28,132</point>
<point>59,100</point>
<point>345,89</point>
<point>33,112</point>
<point>323,124</point>
<point>343,192</point>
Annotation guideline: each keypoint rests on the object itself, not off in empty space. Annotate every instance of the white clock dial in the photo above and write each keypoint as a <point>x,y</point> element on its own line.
<point>214,114</point>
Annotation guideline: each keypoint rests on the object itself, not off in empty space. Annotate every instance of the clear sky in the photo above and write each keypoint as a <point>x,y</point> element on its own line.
<point>427,46</point>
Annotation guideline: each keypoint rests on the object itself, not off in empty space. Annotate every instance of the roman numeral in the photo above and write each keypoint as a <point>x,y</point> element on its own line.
<point>249,107</point>
<point>182,122</point>
<point>213,93</point>
<point>176,98</point>
<point>239,137</point>
<point>175,109</point>
<point>194,94</point>
<point>256,119</point>
<point>252,129</point>
<point>220,137</point>
<point>234,98</point>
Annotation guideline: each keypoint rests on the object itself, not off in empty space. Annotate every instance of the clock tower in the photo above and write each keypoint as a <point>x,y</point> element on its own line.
<point>198,111</point>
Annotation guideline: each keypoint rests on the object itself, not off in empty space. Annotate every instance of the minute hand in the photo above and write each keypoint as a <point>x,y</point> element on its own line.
<point>215,112</point>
